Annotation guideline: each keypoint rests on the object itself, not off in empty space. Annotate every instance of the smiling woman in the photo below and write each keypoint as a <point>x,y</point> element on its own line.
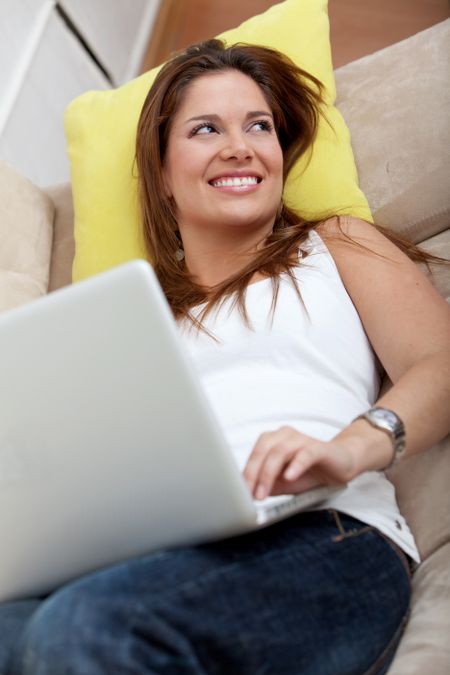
<point>223,171</point>
<point>293,377</point>
<point>214,146</point>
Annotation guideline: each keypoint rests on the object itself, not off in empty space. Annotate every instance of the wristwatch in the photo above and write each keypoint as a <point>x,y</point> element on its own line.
<point>390,422</point>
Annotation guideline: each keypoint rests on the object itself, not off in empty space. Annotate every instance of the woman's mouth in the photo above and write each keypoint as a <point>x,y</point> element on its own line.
<point>235,183</point>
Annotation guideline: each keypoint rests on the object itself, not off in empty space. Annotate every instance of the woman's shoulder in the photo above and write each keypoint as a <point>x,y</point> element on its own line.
<point>339,236</point>
<point>349,239</point>
<point>343,229</point>
<point>394,299</point>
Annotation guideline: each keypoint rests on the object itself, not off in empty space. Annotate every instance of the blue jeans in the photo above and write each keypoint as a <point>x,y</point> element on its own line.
<point>317,594</point>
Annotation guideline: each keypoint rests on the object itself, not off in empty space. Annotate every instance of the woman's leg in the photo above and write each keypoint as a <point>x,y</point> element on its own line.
<point>13,617</point>
<point>298,598</point>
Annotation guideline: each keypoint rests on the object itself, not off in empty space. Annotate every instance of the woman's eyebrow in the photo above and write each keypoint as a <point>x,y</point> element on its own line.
<point>209,117</point>
<point>258,113</point>
<point>212,117</point>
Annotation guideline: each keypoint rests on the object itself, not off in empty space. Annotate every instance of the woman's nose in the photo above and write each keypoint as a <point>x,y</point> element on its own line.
<point>237,147</point>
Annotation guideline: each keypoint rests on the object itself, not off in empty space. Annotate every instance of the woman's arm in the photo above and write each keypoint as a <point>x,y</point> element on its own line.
<point>408,325</point>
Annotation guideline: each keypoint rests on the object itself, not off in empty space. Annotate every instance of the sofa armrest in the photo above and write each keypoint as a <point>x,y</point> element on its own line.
<point>63,249</point>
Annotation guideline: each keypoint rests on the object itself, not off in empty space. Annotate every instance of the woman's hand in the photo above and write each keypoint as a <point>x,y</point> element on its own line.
<point>287,462</point>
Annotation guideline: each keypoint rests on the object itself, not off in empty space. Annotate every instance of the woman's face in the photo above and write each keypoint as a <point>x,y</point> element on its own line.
<point>224,165</point>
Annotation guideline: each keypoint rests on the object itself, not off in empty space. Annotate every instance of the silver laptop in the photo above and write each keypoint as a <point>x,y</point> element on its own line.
<point>108,446</point>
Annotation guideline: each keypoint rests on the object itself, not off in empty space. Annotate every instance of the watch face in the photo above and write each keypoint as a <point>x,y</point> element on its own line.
<point>385,416</point>
<point>387,419</point>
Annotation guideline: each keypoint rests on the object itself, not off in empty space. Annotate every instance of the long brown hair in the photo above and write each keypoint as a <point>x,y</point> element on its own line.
<point>296,100</point>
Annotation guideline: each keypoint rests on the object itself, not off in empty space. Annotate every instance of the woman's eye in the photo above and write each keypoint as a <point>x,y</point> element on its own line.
<point>262,125</point>
<point>203,128</point>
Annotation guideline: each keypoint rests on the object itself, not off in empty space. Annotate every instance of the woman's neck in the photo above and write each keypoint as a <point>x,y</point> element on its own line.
<point>213,259</point>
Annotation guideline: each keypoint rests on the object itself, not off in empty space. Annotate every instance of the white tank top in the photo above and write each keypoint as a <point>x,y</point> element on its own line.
<point>313,370</point>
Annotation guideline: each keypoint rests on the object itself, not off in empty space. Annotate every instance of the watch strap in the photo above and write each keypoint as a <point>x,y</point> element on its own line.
<point>388,421</point>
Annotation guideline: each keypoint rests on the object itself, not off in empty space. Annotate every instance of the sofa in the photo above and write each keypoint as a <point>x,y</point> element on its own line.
<point>395,104</point>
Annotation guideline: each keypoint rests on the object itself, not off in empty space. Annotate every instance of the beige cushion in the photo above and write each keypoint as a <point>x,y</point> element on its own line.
<point>396,103</point>
<point>425,645</point>
<point>422,481</point>
<point>440,274</point>
<point>63,249</point>
<point>422,488</point>
<point>26,227</point>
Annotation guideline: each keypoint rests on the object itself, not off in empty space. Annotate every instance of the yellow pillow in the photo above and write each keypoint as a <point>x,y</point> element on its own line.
<point>101,129</point>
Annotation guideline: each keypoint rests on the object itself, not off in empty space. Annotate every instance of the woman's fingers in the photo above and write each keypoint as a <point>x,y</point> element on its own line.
<point>266,445</point>
<point>304,483</point>
<point>303,460</point>
<point>271,467</point>
<point>286,462</point>
<point>254,462</point>
<point>269,459</point>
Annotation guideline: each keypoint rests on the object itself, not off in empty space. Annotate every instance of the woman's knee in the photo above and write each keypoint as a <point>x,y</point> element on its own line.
<point>59,634</point>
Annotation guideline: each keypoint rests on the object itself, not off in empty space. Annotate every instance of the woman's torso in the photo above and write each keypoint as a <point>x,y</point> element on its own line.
<point>308,366</point>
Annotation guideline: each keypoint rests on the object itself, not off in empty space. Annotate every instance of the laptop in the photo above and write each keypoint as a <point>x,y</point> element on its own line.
<point>108,446</point>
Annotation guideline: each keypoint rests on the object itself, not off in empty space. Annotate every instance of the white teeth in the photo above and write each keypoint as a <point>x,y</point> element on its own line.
<point>235,181</point>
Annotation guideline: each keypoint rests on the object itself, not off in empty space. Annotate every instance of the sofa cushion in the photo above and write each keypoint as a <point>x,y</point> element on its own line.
<point>425,646</point>
<point>26,227</point>
<point>396,105</point>
<point>439,245</point>
<point>421,482</point>
<point>101,130</point>
<point>421,485</point>
<point>63,249</point>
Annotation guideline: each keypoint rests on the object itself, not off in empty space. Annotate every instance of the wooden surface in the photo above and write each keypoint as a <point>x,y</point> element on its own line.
<point>358,27</point>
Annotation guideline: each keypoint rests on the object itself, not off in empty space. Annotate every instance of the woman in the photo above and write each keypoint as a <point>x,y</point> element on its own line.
<point>287,323</point>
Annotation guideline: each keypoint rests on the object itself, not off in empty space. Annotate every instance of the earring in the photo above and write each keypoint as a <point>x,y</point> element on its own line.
<point>179,253</point>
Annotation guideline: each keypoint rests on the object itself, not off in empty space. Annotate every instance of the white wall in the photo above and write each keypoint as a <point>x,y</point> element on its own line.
<point>44,65</point>
<point>118,38</point>
<point>21,26</point>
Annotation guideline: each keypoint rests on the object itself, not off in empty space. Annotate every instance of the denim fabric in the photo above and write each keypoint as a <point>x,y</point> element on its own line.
<point>13,617</point>
<point>317,594</point>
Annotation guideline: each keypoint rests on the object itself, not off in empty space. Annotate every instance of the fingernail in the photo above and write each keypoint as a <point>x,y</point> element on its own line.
<point>260,491</point>
<point>290,473</point>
